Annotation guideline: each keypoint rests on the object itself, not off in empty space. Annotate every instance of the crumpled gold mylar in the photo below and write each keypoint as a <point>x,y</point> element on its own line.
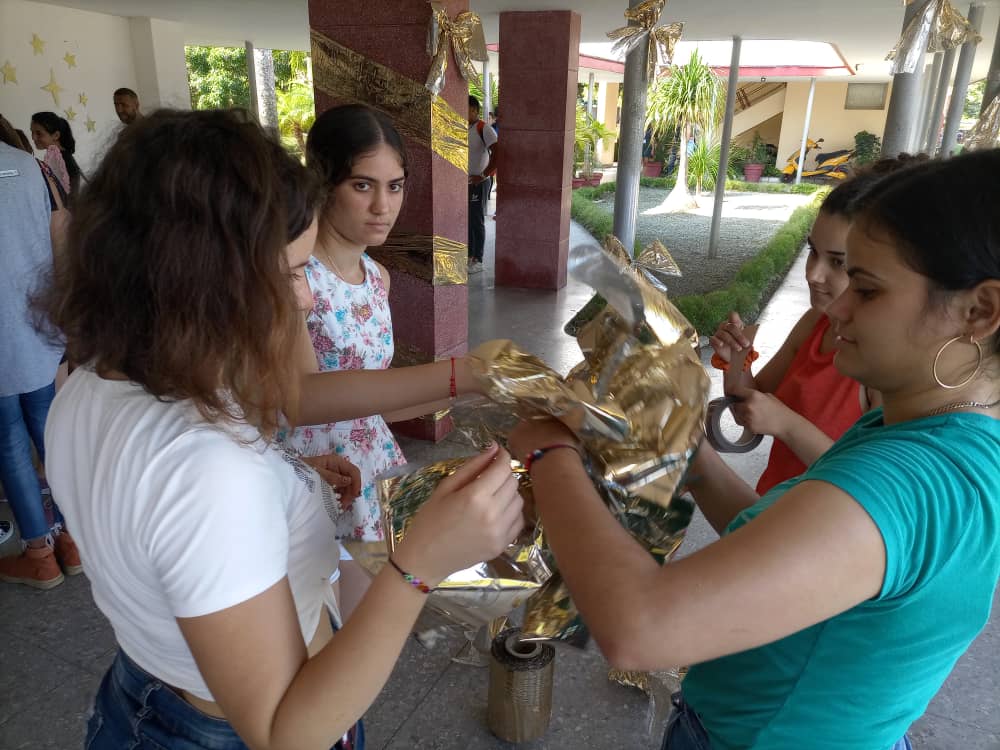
<point>986,132</point>
<point>662,40</point>
<point>655,263</point>
<point>937,27</point>
<point>476,596</point>
<point>637,402</point>
<point>467,40</point>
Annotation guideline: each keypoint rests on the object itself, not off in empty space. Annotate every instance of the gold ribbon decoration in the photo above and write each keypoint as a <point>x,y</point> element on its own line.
<point>655,262</point>
<point>986,132</point>
<point>662,40</point>
<point>409,252</point>
<point>937,27</point>
<point>467,40</point>
<point>350,77</point>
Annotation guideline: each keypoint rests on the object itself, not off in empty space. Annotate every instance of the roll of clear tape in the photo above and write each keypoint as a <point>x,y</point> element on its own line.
<point>717,438</point>
<point>520,693</point>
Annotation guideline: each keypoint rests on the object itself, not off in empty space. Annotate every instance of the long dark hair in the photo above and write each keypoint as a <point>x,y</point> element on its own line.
<point>943,218</point>
<point>342,134</point>
<point>53,123</point>
<point>176,273</point>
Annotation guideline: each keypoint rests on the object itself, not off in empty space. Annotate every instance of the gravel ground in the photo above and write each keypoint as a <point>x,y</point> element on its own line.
<point>749,220</point>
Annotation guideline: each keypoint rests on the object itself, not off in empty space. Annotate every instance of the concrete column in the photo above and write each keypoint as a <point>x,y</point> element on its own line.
<point>904,103</point>
<point>263,96</point>
<point>630,135</point>
<point>805,131</point>
<point>376,53</point>
<point>922,131</point>
<point>591,97</point>
<point>487,91</point>
<point>727,136</point>
<point>536,161</point>
<point>993,77</point>
<point>940,98</point>
<point>160,69</point>
<point>961,88</point>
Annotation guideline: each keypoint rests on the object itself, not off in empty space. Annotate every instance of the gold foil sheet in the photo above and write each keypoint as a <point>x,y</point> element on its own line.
<point>431,258</point>
<point>478,595</point>
<point>937,27</point>
<point>661,40</point>
<point>466,38</point>
<point>637,402</point>
<point>351,77</point>
<point>986,132</point>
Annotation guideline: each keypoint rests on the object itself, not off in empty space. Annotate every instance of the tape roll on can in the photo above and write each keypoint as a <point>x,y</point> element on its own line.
<point>716,437</point>
<point>520,694</point>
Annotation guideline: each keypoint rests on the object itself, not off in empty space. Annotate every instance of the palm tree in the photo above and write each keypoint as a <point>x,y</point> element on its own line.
<point>296,114</point>
<point>688,96</point>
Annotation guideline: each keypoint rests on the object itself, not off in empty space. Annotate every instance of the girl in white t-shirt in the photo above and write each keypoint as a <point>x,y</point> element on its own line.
<point>207,546</point>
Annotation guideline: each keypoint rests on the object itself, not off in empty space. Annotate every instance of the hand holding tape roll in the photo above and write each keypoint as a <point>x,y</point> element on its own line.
<point>731,383</point>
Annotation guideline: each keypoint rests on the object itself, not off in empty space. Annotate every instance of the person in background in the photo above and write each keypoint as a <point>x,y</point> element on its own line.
<point>28,373</point>
<point>127,105</point>
<point>482,166</point>
<point>53,135</point>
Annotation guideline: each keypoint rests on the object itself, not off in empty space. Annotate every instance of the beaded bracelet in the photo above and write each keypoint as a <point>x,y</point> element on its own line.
<point>539,452</point>
<point>411,579</point>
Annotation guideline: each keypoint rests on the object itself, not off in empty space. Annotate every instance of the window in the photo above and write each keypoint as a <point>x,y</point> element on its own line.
<point>866,95</point>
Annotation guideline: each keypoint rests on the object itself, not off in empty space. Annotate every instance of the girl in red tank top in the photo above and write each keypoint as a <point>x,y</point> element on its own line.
<point>799,397</point>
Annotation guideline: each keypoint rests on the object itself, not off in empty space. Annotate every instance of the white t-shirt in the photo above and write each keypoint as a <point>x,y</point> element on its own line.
<point>479,156</point>
<point>176,517</point>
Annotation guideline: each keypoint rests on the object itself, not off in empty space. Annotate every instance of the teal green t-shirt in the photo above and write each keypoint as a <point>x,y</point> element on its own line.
<point>858,680</point>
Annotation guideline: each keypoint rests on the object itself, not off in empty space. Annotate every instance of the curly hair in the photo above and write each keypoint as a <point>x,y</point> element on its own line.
<point>176,275</point>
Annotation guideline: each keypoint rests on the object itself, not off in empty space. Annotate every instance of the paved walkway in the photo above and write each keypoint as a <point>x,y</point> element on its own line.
<point>54,646</point>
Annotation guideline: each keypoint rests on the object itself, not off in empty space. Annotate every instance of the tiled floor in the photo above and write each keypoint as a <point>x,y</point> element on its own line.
<point>55,645</point>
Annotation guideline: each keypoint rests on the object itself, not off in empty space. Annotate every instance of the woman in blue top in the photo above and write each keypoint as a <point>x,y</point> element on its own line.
<point>834,607</point>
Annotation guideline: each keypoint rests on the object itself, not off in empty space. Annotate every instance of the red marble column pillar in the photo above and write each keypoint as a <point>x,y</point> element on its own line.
<point>539,59</point>
<point>375,53</point>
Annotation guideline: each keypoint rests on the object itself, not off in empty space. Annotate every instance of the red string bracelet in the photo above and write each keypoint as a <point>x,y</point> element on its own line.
<point>452,384</point>
<point>539,452</point>
<point>411,579</point>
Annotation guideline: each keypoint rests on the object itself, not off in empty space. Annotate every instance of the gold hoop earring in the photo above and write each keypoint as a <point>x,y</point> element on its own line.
<point>979,363</point>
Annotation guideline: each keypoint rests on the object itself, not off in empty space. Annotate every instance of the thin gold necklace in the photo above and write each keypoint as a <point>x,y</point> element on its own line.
<point>963,405</point>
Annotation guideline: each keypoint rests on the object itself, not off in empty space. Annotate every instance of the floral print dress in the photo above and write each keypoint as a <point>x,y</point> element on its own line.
<point>351,329</point>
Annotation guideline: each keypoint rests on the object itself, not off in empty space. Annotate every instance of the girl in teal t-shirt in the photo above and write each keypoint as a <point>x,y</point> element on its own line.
<point>833,608</point>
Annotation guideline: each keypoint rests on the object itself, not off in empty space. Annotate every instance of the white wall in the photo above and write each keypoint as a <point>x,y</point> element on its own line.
<point>105,59</point>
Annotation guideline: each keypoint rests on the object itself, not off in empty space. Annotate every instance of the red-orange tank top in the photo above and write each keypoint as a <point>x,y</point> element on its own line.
<point>814,388</point>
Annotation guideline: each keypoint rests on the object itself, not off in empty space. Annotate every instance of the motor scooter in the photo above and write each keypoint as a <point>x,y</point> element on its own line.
<point>831,165</point>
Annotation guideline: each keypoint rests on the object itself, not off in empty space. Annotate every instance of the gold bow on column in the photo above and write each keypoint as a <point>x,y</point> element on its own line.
<point>662,40</point>
<point>467,40</point>
<point>937,27</point>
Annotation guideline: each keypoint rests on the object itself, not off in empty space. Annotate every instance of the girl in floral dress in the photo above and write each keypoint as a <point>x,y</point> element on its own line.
<point>361,158</point>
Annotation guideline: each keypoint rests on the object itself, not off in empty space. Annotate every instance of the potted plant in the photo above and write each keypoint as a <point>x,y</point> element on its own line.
<point>753,168</point>
<point>867,147</point>
<point>588,132</point>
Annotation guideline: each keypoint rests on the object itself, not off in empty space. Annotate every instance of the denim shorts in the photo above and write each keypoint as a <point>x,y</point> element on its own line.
<point>686,732</point>
<point>134,710</point>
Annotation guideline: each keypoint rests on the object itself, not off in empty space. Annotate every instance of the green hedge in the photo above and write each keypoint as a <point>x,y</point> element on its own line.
<point>754,281</point>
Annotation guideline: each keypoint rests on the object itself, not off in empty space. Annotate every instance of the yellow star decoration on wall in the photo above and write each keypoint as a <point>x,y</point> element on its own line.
<point>37,44</point>
<point>9,72</point>
<point>91,125</point>
<point>70,114</point>
<point>70,60</point>
<point>83,99</point>
<point>52,87</point>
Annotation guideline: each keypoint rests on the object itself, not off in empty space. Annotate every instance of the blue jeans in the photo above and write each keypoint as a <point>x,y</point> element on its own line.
<point>686,732</point>
<point>22,422</point>
<point>135,710</point>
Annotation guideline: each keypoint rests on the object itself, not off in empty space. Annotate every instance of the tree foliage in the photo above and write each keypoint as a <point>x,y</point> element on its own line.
<point>218,79</point>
